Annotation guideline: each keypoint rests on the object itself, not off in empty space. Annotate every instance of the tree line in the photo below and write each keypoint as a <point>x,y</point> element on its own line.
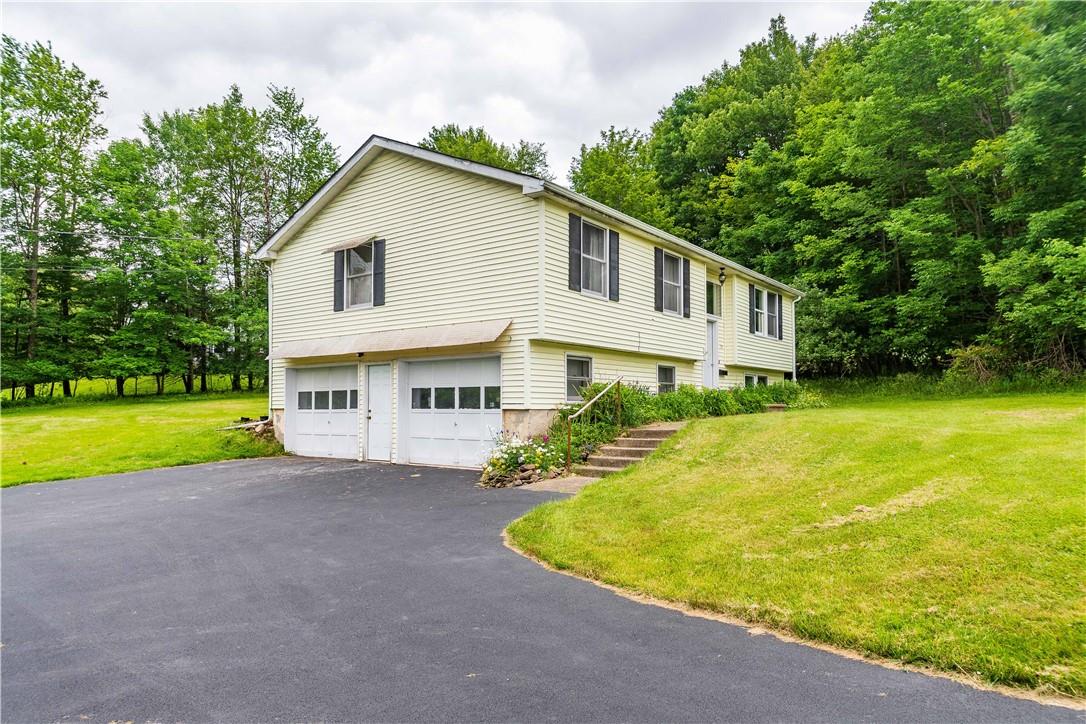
<point>133,258</point>
<point>921,178</point>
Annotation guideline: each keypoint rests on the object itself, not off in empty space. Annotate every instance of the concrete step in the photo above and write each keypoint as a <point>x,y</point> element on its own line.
<point>620,451</point>
<point>629,442</point>
<point>650,433</point>
<point>606,461</point>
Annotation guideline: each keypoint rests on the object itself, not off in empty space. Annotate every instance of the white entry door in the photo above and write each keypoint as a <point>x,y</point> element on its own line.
<point>452,410</point>
<point>379,412</point>
<point>322,416</point>
<point>711,363</point>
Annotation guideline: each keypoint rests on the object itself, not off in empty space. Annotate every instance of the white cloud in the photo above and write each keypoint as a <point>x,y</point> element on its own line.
<point>557,73</point>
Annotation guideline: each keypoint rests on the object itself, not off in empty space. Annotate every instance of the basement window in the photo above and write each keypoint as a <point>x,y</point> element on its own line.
<point>665,379</point>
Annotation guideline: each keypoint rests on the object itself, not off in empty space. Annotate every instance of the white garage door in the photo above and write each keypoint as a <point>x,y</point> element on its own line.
<point>453,410</point>
<point>323,421</point>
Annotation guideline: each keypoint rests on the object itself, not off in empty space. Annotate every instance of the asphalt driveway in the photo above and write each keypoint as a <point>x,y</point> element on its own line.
<point>292,589</point>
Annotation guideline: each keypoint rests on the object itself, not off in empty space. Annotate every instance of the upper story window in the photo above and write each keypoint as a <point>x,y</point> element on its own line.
<point>359,275</point>
<point>593,259</point>
<point>712,299</point>
<point>673,284</point>
<point>578,376</point>
<point>765,315</point>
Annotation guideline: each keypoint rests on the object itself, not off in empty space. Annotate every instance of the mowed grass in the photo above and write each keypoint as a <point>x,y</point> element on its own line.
<point>941,533</point>
<point>54,442</point>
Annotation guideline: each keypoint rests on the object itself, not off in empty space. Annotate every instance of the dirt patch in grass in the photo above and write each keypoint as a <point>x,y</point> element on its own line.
<point>930,492</point>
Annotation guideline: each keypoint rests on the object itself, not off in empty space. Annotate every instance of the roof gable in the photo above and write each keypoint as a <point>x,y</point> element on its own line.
<point>359,160</point>
<point>530,186</point>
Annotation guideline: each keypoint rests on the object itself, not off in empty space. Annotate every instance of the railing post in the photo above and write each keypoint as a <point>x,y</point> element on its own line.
<point>619,405</point>
<point>569,444</point>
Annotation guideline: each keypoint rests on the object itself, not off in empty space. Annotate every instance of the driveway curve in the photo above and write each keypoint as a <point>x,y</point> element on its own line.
<point>305,590</point>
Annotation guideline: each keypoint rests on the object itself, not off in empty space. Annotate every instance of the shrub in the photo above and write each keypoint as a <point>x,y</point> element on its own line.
<point>511,454</point>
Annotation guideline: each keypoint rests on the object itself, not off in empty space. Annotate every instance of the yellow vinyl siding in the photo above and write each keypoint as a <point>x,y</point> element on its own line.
<point>631,324</point>
<point>549,370</point>
<point>459,248</point>
<point>756,351</point>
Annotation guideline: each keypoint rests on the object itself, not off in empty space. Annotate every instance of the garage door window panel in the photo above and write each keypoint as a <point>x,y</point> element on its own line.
<point>320,400</point>
<point>420,398</point>
<point>305,400</point>
<point>444,398</point>
<point>470,398</point>
<point>339,399</point>
<point>492,397</point>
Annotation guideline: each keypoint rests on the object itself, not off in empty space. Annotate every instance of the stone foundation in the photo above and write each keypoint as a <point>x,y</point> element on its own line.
<point>525,423</point>
<point>277,423</point>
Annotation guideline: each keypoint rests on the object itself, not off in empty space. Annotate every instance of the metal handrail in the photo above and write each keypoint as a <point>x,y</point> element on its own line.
<point>584,408</point>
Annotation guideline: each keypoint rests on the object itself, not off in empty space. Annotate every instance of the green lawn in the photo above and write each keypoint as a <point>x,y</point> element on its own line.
<point>945,533</point>
<point>52,442</point>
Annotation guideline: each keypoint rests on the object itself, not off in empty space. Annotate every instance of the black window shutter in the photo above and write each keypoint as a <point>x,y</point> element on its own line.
<point>686,287</point>
<point>575,252</point>
<point>780,317</point>
<point>337,284</point>
<point>378,272</point>
<point>658,277</point>
<point>612,267</point>
<point>750,288</point>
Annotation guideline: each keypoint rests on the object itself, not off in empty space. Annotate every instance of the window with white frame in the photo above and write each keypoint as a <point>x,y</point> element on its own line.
<point>712,299</point>
<point>767,307</point>
<point>359,275</point>
<point>749,380</point>
<point>665,378</point>
<point>578,376</point>
<point>593,259</point>
<point>673,284</point>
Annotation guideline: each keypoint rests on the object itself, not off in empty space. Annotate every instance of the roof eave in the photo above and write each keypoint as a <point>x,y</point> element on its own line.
<point>569,196</point>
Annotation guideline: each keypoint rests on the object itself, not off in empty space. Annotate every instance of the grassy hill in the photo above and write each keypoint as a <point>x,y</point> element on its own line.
<point>947,533</point>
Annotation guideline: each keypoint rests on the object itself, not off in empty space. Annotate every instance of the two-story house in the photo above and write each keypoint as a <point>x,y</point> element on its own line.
<point>419,303</point>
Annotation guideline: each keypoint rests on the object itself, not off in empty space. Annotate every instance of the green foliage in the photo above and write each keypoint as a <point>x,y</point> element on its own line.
<point>641,407</point>
<point>135,258</point>
<point>922,178</point>
<point>617,171</point>
<point>475,144</point>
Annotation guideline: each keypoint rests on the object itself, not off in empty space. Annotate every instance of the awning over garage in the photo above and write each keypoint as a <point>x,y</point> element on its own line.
<point>394,340</point>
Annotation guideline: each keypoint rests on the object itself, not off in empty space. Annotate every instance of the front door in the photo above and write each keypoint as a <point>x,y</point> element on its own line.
<point>712,350</point>
<point>379,412</point>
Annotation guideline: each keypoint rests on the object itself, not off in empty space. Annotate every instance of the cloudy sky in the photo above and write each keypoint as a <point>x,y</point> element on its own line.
<point>556,73</point>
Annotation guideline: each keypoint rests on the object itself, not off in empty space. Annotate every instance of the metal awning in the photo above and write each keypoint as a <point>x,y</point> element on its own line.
<point>394,340</point>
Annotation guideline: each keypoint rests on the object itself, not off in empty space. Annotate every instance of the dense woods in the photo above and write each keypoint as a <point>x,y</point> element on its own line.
<point>922,178</point>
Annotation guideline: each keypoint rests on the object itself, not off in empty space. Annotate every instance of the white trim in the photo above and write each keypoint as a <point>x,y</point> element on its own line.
<point>665,283</point>
<point>606,260</point>
<point>347,277</point>
<point>565,373</point>
<point>718,294</point>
